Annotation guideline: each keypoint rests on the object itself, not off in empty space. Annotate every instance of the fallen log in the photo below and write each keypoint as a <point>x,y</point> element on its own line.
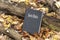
<point>19,11</point>
<point>51,22</point>
<point>11,33</point>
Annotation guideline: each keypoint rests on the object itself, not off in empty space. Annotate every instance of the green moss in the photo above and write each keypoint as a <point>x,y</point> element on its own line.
<point>54,27</point>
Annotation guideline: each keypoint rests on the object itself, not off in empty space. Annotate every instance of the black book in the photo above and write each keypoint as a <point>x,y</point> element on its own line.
<point>32,21</point>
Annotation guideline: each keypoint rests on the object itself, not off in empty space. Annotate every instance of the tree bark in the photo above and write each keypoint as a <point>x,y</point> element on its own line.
<point>19,11</point>
<point>11,33</point>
